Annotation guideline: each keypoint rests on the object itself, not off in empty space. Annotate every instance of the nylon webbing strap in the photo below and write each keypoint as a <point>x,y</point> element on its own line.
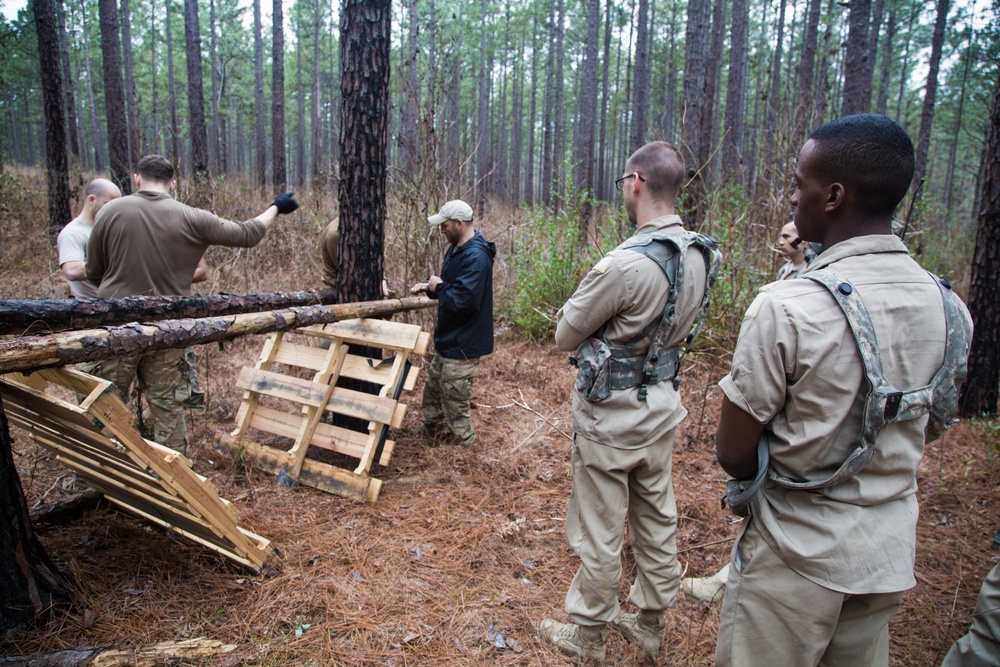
<point>669,251</point>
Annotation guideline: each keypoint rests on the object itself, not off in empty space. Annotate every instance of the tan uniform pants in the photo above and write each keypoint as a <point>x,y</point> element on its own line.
<point>981,646</point>
<point>773,616</point>
<point>612,488</point>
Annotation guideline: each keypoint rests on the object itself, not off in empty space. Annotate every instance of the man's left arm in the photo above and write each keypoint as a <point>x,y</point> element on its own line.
<point>74,270</point>
<point>465,292</point>
<point>95,265</point>
<point>736,441</point>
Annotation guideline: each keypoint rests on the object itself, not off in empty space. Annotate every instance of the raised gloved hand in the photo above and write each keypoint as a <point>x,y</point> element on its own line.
<point>285,203</point>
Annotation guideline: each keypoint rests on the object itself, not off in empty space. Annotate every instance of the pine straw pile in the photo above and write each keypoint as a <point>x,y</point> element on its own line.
<point>464,553</point>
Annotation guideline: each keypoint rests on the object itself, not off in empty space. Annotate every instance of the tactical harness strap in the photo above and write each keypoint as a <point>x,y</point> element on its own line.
<point>669,251</point>
<point>884,404</point>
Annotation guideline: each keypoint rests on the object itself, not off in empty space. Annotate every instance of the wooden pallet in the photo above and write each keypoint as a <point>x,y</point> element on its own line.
<point>296,405</point>
<point>97,440</point>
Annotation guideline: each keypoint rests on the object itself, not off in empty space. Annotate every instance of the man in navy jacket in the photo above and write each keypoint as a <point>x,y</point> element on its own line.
<point>464,330</point>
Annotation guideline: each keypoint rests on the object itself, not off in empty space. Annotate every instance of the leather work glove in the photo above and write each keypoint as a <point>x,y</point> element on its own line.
<point>285,203</point>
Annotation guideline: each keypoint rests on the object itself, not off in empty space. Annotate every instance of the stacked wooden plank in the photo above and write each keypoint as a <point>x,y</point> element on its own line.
<point>97,440</point>
<point>279,402</point>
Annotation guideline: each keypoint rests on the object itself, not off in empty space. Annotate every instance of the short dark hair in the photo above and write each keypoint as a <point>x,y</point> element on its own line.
<point>155,168</point>
<point>870,154</point>
<point>662,167</point>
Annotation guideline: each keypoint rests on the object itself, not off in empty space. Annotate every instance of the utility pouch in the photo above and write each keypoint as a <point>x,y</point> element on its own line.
<point>739,494</point>
<point>593,369</point>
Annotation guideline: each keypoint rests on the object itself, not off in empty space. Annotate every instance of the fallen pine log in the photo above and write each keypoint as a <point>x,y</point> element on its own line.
<point>66,508</point>
<point>199,651</point>
<point>50,315</point>
<point>50,350</point>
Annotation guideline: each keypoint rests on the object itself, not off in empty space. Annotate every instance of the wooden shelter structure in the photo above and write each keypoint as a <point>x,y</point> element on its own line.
<point>280,422</point>
<point>96,439</point>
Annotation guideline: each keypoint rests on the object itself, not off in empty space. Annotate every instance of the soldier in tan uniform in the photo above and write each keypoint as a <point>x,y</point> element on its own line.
<point>624,434</point>
<point>823,559</point>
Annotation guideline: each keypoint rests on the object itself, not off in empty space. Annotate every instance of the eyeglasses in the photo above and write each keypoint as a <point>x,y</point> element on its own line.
<point>621,181</point>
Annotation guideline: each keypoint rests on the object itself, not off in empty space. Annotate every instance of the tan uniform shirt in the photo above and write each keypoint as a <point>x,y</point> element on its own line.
<point>628,290</point>
<point>148,243</point>
<point>797,369</point>
<point>329,240</point>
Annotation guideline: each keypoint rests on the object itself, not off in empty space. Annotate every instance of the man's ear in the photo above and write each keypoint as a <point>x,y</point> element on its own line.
<point>137,181</point>
<point>835,196</point>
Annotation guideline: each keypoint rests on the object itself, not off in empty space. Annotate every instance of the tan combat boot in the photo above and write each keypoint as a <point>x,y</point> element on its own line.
<point>585,642</point>
<point>642,629</point>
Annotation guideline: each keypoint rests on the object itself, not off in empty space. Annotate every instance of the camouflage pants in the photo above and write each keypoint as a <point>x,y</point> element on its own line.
<point>164,379</point>
<point>448,395</point>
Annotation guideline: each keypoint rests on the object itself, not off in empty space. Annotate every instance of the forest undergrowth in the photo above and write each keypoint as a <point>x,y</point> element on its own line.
<point>464,553</point>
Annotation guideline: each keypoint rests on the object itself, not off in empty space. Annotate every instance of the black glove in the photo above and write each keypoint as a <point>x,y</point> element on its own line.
<point>286,203</point>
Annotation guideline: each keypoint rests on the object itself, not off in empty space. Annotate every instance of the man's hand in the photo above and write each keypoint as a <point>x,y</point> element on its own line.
<point>418,288</point>
<point>285,203</point>
<point>433,282</point>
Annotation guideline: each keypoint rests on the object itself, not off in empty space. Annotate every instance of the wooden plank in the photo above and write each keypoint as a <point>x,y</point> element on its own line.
<point>328,377</point>
<point>152,480</point>
<point>342,401</point>
<point>313,358</point>
<point>250,399</point>
<point>318,475</point>
<point>369,332</point>
<point>230,553</point>
<point>326,436</point>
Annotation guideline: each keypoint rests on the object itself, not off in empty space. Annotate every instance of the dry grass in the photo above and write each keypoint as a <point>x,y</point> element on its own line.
<point>464,552</point>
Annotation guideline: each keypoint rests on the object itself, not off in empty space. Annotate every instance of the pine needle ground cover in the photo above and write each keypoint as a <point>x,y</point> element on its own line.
<point>464,552</point>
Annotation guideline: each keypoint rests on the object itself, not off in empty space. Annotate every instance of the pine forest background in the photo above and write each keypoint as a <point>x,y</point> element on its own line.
<point>526,108</point>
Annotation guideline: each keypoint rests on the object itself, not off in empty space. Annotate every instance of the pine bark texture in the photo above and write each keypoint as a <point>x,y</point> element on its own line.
<point>364,86</point>
<point>196,96</point>
<point>930,94</point>
<point>980,393</point>
<point>857,74</point>
<point>29,582</point>
<point>279,175</point>
<point>640,90</point>
<point>259,110</point>
<point>584,149</point>
<point>47,315</point>
<point>695,66</point>
<point>50,350</point>
<point>56,164</point>
<point>732,143</point>
<point>114,95</point>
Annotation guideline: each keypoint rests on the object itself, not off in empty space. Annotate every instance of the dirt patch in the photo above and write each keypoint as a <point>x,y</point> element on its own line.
<point>464,553</point>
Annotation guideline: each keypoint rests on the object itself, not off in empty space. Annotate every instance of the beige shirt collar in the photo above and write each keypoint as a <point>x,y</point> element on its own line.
<point>859,245</point>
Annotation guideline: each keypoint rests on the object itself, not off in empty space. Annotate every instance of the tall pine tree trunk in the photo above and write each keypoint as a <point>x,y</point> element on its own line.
<point>114,96</point>
<point>171,90</point>
<point>131,104</point>
<point>930,94</point>
<point>56,165</point>
<point>95,127</point>
<point>584,149</point>
<point>279,173</point>
<point>733,142</point>
<point>979,395</point>
<point>260,136</point>
<point>364,88</point>
<point>71,119</point>
<point>30,585</point>
<point>196,96</point>
<point>695,66</point>
<point>857,73</point>
<point>640,89</point>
